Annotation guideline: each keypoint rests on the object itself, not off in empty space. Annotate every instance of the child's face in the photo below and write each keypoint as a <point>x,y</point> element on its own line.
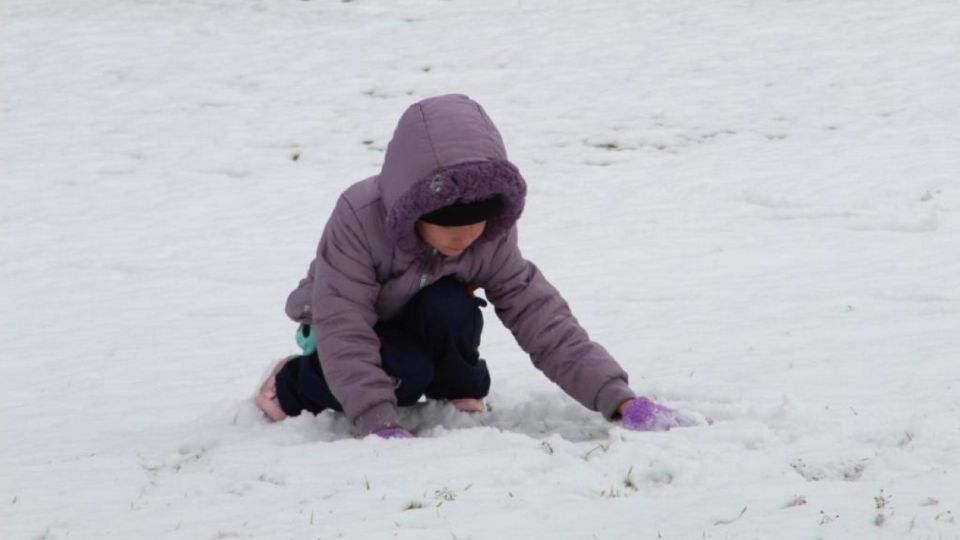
<point>451,241</point>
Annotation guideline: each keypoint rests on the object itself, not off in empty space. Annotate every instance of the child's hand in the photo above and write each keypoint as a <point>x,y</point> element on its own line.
<point>393,433</point>
<point>641,414</point>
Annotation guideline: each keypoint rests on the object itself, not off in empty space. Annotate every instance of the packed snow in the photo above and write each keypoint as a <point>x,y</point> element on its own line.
<point>752,204</point>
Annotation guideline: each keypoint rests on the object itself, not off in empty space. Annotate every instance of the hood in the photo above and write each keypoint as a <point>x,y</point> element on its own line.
<point>446,150</point>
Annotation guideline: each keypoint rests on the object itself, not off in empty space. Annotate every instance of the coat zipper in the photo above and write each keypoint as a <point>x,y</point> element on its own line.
<point>431,267</point>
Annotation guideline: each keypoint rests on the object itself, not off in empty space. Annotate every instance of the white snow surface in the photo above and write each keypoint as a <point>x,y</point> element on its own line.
<point>752,204</point>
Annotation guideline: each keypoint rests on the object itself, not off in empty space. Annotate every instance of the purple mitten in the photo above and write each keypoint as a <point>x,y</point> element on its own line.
<point>393,433</point>
<point>645,415</point>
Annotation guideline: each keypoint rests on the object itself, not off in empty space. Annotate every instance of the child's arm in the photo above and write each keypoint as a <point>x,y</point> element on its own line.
<point>345,290</point>
<point>545,328</point>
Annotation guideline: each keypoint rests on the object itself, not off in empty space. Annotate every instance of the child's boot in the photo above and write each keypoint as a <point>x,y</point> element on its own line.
<point>470,405</point>
<point>266,397</point>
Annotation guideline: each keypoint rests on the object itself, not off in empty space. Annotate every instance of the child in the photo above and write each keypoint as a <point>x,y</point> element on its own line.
<point>387,312</point>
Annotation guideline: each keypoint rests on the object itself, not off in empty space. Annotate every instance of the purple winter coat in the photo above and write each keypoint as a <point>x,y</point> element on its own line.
<point>370,262</point>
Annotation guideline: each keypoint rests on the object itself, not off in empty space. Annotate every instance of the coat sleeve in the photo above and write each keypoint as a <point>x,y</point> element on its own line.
<point>544,327</point>
<point>344,293</point>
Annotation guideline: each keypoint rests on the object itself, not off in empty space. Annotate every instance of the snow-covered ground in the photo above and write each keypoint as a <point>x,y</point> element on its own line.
<point>752,204</point>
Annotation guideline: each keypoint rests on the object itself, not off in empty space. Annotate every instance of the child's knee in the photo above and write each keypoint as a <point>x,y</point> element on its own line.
<point>448,302</point>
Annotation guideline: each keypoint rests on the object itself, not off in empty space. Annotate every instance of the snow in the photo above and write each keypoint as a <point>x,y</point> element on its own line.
<point>752,205</point>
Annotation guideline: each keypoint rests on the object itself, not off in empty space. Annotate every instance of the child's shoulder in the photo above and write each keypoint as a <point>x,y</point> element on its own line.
<point>363,201</point>
<point>362,195</point>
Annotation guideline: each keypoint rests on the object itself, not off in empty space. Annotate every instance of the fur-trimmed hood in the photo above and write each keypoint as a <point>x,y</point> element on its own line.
<point>446,150</point>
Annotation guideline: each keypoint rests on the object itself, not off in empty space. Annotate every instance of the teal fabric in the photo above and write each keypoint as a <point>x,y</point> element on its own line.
<point>306,339</point>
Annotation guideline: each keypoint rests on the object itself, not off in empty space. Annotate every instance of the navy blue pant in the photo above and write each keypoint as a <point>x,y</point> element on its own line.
<point>431,348</point>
